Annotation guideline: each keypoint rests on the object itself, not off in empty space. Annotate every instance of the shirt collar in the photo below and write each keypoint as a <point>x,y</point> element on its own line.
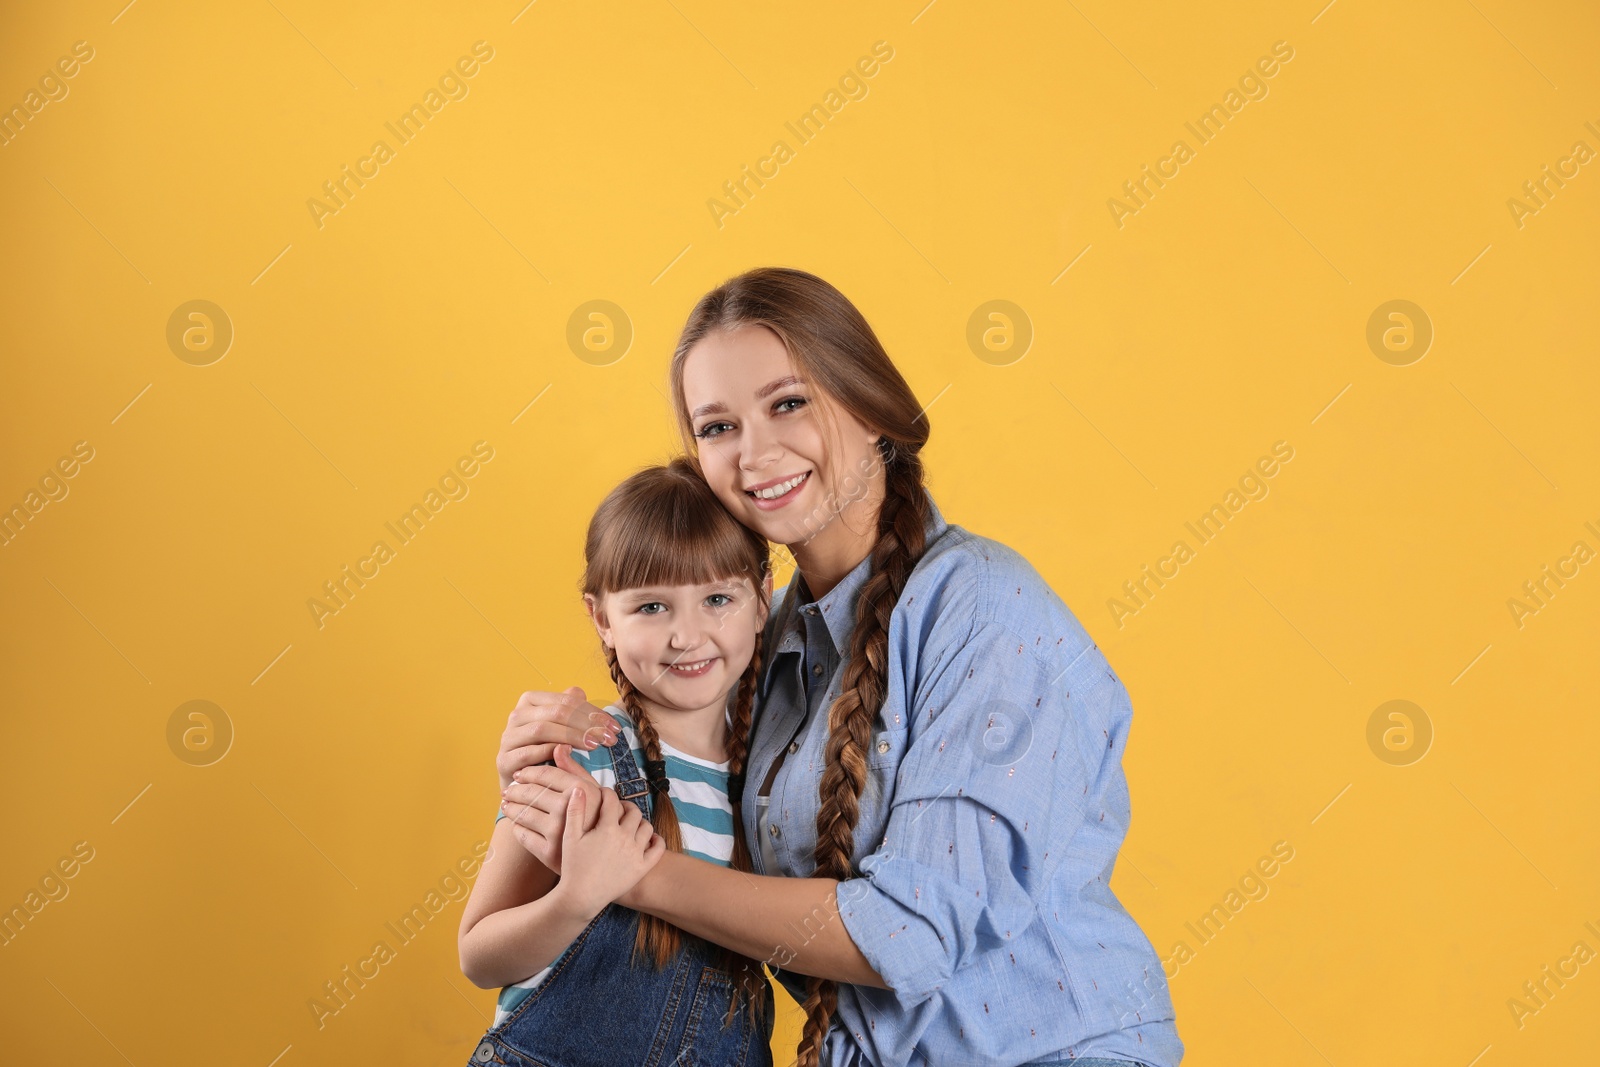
<point>837,607</point>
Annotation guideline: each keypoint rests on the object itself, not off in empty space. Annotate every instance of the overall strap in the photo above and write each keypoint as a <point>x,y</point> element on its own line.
<point>631,785</point>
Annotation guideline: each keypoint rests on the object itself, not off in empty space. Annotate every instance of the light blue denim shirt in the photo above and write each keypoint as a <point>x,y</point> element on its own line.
<point>994,806</point>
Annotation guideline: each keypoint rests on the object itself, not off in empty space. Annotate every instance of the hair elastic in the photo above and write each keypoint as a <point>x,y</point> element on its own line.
<point>655,772</point>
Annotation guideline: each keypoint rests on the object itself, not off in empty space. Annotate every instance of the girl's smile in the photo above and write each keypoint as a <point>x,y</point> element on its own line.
<point>694,669</point>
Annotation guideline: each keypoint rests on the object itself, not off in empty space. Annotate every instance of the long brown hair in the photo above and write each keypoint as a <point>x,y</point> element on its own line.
<point>835,351</point>
<point>664,526</point>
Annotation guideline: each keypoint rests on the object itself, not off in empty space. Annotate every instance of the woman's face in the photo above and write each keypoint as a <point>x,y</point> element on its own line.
<point>763,448</point>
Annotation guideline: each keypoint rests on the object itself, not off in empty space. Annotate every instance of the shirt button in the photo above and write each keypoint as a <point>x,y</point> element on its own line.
<point>811,611</point>
<point>817,670</point>
<point>772,828</point>
<point>883,746</point>
<point>794,746</point>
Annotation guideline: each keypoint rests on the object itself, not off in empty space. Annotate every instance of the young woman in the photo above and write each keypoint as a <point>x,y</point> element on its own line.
<point>667,571</point>
<point>935,776</point>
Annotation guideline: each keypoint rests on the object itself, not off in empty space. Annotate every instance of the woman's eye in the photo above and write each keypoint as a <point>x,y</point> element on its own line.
<point>712,429</point>
<point>789,400</point>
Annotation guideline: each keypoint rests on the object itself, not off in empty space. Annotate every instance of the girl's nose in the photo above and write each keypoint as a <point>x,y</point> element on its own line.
<point>687,639</point>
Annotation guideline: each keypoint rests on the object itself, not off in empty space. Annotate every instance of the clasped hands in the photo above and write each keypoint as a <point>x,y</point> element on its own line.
<point>560,814</point>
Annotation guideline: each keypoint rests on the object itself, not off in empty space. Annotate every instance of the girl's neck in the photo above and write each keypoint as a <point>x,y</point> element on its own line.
<point>702,733</point>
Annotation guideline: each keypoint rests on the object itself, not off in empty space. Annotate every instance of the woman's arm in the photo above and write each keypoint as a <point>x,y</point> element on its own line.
<point>792,923</point>
<point>988,797</point>
<point>516,921</point>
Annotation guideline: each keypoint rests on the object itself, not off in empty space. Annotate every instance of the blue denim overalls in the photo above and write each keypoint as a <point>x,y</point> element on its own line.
<point>598,1009</point>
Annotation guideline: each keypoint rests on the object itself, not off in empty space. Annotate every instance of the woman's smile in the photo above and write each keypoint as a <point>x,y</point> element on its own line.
<point>769,496</point>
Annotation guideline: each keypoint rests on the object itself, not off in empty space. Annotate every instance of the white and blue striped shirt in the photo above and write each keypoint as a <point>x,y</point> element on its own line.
<point>699,793</point>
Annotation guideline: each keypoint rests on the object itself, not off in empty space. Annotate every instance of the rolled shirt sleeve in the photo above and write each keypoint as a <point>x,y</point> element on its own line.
<point>990,790</point>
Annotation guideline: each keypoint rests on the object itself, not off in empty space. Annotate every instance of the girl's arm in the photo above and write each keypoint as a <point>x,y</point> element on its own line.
<point>790,923</point>
<point>516,921</point>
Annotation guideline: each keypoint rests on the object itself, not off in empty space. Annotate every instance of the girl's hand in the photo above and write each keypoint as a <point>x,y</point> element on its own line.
<point>541,721</point>
<point>605,862</point>
<point>536,803</point>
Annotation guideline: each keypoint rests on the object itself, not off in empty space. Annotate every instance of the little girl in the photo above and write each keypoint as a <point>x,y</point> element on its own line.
<point>678,591</point>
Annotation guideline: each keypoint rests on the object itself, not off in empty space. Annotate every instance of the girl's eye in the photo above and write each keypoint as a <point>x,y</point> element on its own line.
<point>723,597</point>
<point>711,429</point>
<point>651,604</point>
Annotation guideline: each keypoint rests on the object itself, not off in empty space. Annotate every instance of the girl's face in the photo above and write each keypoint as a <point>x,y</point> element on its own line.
<point>684,646</point>
<point>761,445</point>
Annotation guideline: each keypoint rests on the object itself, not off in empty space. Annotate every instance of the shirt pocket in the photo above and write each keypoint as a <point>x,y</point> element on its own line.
<point>886,745</point>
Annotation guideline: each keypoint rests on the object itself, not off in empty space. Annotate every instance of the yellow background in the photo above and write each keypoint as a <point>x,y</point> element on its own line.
<point>369,354</point>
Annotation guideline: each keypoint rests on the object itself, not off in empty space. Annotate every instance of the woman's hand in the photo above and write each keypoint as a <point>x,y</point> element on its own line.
<point>608,860</point>
<point>536,803</point>
<point>541,721</point>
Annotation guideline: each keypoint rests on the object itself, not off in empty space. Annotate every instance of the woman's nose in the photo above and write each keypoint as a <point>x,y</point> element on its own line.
<point>757,449</point>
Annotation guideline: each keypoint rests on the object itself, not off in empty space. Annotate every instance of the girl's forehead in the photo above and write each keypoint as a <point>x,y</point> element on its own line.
<point>692,589</point>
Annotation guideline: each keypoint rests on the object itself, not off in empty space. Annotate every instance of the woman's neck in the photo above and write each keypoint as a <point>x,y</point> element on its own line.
<point>825,557</point>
